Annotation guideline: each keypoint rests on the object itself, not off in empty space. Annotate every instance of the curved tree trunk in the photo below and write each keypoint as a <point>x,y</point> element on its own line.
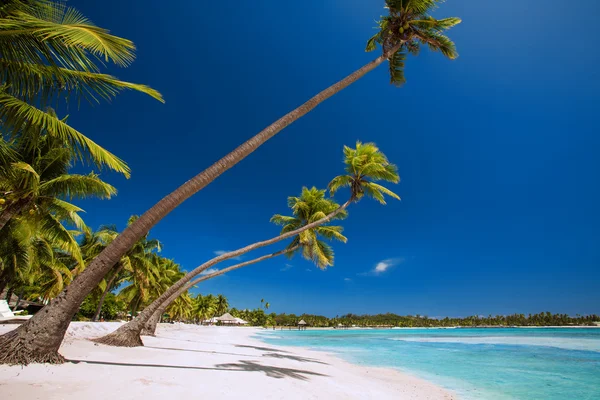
<point>128,335</point>
<point>106,290</point>
<point>38,339</point>
<point>150,327</point>
<point>13,209</point>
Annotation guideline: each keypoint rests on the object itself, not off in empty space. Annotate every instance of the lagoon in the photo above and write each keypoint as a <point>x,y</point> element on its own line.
<point>476,363</point>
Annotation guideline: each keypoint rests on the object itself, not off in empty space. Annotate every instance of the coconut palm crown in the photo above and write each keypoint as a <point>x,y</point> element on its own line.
<point>311,206</point>
<point>410,25</point>
<point>364,165</point>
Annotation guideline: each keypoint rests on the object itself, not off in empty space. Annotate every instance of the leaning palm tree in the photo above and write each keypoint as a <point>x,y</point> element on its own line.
<point>49,52</point>
<point>39,339</point>
<point>370,165</point>
<point>309,207</point>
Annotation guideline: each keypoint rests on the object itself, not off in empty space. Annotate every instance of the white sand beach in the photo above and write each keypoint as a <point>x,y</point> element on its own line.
<point>215,362</point>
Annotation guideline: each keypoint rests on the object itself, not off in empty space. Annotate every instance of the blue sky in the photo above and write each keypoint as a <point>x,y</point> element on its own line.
<point>498,151</point>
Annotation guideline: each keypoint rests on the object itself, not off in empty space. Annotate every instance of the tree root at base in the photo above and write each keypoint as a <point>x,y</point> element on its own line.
<point>13,351</point>
<point>121,339</point>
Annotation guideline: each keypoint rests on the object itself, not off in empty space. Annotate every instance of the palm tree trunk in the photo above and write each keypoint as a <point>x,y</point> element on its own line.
<point>135,306</point>
<point>13,209</point>
<point>150,327</point>
<point>128,335</point>
<point>106,290</point>
<point>9,293</point>
<point>19,297</point>
<point>4,279</point>
<point>39,338</point>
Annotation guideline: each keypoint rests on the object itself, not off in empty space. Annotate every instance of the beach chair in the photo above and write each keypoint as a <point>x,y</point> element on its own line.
<point>7,316</point>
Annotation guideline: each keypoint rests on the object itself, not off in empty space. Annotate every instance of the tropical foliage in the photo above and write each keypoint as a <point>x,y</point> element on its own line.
<point>188,311</point>
<point>309,207</point>
<point>50,52</point>
<point>38,223</point>
<point>394,320</point>
<point>408,26</point>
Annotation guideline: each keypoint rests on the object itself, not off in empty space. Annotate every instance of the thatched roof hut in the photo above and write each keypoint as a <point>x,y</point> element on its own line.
<point>302,324</point>
<point>227,319</point>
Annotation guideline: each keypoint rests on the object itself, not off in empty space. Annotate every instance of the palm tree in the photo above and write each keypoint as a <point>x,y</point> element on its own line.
<point>222,305</point>
<point>39,340</point>
<point>49,52</point>
<point>35,186</point>
<point>371,165</point>
<point>182,308</point>
<point>365,164</point>
<point>309,207</point>
<point>204,308</point>
<point>141,266</point>
<point>31,260</point>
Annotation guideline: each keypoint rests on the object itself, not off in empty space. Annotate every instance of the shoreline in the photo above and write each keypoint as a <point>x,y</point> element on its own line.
<point>317,328</point>
<point>217,362</point>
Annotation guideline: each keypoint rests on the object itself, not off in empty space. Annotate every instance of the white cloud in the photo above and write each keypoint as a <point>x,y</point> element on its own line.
<point>209,271</point>
<point>383,266</point>
<point>221,252</point>
<point>347,280</point>
<point>286,267</point>
<point>308,270</point>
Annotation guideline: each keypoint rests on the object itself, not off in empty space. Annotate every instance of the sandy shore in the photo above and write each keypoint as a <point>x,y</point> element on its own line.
<point>215,362</point>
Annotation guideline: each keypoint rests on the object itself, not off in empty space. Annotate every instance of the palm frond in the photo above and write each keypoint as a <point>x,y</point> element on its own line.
<point>396,63</point>
<point>67,212</point>
<point>52,22</point>
<point>438,42</point>
<point>28,80</point>
<point>57,234</point>
<point>16,113</point>
<point>380,190</point>
<point>339,182</point>
<point>332,232</point>
<point>78,187</point>
<point>278,219</point>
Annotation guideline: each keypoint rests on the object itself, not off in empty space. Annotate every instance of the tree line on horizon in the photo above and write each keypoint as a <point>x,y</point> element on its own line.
<point>200,308</point>
<point>51,54</point>
<point>395,320</point>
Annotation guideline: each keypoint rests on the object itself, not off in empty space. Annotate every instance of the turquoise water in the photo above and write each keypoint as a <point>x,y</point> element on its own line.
<point>503,363</point>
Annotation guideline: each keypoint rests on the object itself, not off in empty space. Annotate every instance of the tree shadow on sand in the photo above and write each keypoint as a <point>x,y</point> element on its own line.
<point>294,358</point>
<point>268,355</point>
<point>241,366</point>
<point>272,372</point>
<point>261,348</point>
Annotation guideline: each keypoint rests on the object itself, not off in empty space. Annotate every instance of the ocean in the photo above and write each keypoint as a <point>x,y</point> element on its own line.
<point>484,363</point>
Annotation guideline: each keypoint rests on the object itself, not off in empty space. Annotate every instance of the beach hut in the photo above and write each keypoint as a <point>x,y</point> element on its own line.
<point>302,325</point>
<point>227,319</point>
<point>241,321</point>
